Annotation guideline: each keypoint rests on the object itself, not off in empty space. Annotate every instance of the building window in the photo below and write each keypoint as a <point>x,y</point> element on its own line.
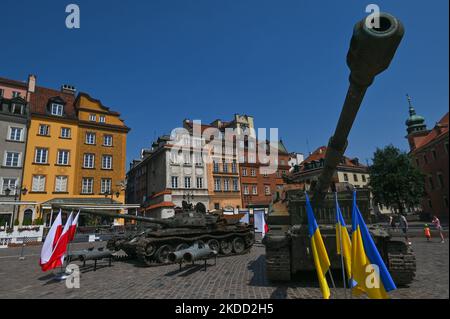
<point>440,180</point>
<point>345,177</point>
<point>417,162</point>
<point>107,140</point>
<point>265,173</point>
<point>38,183</point>
<point>15,94</point>
<point>63,157</point>
<point>198,159</point>
<point>9,183</point>
<point>186,158</point>
<point>431,182</point>
<point>65,132</point>
<point>425,159</point>
<point>244,172</point>
<point>15,134</point>
<point>107,162</point>
<point>267,190</point>
<point>355,177</point>
<point>217,184</point>
<point>226,185</point>
<point>246,192</point>
<point>44,130</point>
<point>216,167</point>
<point>234,167</point>
<point>105,186</point>
<point>199,182</point>
<point>90,138</point>
<point>252,158</point>
<point>253,172</point>
<point>363,178</point>
<point>41,156</point>
<point>187,182</point>
<point>57,109</point>
<point>174,181</point>
<point>216,206</point>
<point>17,109</point>
<point>255,190</point>
<point>225,167</point>
<point>92,117</point>
<point>89,161</point>
<point>12,159</point>
<point>1,92</point>
<point>446,147</point>
<point>87,186</point>
<point>61,184</point>
<point>235,185</point>
<point>433,153</point>
<point>102,119</point>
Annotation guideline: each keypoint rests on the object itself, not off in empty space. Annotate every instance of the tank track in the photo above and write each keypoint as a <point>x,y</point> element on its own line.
<point>402,262</point>
<point>278,258</point>
<point>142,244</point>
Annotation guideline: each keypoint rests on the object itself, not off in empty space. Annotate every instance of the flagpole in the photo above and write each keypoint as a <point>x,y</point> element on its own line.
<point>342,252</point>
<point>332,282</point>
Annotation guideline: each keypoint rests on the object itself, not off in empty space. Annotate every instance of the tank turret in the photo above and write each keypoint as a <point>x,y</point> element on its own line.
<point>287,242</point>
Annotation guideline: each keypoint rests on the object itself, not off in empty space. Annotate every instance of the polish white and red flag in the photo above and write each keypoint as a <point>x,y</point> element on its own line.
<point>73,227</point>
<point>57,255</point>
<point>50,241</point>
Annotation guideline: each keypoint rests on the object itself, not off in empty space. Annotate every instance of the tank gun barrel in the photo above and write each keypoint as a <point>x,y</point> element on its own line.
<point>371,51</point>
<point>128,217</point>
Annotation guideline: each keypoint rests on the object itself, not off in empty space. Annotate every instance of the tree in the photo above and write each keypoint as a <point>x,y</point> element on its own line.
<point>395,182</point>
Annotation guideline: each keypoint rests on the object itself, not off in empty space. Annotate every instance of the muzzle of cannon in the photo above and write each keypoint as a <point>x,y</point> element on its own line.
<point>198,253</point>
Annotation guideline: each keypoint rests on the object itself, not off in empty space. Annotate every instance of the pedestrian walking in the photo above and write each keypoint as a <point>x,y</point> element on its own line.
<point>404,226</point>
<point>437,223</point>
<point>392,222</point>
<point>427,232</point>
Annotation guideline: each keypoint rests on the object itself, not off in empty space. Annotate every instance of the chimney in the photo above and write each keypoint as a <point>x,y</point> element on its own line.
<point>31,83</point>
<point>68,89</point>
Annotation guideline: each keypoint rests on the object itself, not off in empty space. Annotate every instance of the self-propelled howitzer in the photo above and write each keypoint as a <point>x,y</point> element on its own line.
<point>287,242</point>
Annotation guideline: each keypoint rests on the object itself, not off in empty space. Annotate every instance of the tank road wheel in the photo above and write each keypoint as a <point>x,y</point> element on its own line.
<point>145,251</point>
<point>214,244</point>
<point>182,246</point>
<point>226,247</point>
<point>162,253</point>
<point>238,245</point>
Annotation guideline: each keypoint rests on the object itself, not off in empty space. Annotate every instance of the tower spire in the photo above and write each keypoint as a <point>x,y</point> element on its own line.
<point>415,123</point>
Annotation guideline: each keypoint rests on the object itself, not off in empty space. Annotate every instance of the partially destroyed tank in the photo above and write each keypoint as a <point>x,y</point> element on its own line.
<point>156,238</point>
<point>287,242</point>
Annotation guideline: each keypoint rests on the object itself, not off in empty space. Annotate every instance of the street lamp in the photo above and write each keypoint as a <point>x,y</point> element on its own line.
<point>189,195</point>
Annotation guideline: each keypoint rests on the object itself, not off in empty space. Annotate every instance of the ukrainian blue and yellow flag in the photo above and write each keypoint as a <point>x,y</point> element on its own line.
<point>320,255</point>
<point>343,239</point>
<point>368,268</point>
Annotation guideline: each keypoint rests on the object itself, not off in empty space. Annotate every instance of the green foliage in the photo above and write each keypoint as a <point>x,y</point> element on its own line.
<point>26,222</point>
<point>16,222</point>
<point>396,183</point>
<point>38,221</point>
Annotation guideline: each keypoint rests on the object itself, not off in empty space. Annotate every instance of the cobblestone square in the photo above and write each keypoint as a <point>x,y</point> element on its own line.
<point>233,277</point>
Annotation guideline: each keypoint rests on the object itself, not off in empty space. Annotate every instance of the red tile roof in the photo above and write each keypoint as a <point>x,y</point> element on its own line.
<point>320,153</point>
<point>439,130</point>
<point>39,100</point>
<point>13,83</point>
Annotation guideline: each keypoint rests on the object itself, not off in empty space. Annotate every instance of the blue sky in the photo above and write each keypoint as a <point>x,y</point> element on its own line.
<point>283,62</point>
